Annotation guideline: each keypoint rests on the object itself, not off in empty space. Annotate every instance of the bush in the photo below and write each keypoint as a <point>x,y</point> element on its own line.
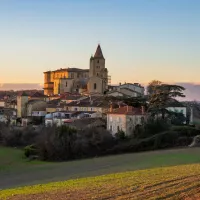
<point>165,140</point>
<point>120,135</point>
<point>151,127</point>
<point>162,140</point>
<point>11,137</point>
<point>184,141</point>
<point>186,131</point>
<point>30,150</point>
<point>17,137</point>
<point>65,143</point>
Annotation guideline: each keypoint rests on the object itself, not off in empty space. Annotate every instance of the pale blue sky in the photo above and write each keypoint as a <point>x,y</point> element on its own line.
<point>141,40</point>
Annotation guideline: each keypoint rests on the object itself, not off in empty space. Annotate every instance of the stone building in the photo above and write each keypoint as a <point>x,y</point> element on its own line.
<point>126,90</point>
<point>125,119</point>
<point>92,80</point>
<point>22,100</point>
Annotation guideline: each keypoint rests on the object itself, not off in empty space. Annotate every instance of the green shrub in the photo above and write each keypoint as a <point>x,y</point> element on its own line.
<point>30,150</point>
<point>184,141</point>
<point>152,127</point>
<point>186,131</point>
<point>162,140</point>
<point>120,135</point>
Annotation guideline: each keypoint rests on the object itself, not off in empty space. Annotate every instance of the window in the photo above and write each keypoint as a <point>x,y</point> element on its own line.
<point>95,86</point>
<point>97,61</point>
<point>97,74</point>
<point>118,119</point>
<point>110,128</point>
<point>118,128</point>
<point>66,83</point>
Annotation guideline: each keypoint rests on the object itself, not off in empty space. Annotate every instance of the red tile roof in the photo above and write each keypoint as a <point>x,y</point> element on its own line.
<point>127,110</point>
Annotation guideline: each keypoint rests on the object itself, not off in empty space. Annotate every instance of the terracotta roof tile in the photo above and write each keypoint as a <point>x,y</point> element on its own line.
<point>127,110</point>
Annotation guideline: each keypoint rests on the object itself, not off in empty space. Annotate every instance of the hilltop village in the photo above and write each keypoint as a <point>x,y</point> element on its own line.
<point>83,98</point>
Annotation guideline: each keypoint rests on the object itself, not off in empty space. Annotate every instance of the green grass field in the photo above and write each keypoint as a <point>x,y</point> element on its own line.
<point>12,158</point>
<point>139,174</point>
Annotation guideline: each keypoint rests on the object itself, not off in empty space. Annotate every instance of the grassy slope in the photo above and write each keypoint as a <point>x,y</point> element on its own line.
<point>178,182</point>
<point>18,172</point>
<point>12,158</point>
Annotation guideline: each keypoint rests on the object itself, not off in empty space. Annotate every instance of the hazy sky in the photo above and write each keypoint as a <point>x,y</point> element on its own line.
<point>141,39</point>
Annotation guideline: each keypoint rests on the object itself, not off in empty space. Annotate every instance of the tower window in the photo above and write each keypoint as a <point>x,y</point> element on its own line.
<point>95,86</point>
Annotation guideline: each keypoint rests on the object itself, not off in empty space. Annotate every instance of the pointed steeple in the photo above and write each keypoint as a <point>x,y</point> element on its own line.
<point>98,53</point>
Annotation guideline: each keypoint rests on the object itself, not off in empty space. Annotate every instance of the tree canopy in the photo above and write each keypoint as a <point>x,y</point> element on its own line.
<point>160,94</point>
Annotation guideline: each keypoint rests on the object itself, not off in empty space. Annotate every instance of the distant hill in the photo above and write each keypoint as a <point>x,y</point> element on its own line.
<point>20,86</point>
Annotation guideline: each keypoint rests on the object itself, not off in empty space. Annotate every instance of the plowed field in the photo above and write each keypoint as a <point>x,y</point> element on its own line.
<point>178,182</point>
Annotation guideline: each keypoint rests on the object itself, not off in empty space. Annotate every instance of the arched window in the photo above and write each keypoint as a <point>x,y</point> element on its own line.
<point>95,86</point>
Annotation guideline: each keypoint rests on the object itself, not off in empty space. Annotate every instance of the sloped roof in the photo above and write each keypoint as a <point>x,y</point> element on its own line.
<point>127,110</point>
<point>32,101</point>
<point>38,94</point>
<point>135,84</point>
<point>71,97</point>
<point>22,93</point>
<point>98,53</point>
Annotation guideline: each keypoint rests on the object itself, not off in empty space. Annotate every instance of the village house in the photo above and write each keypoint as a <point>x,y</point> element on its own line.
<point>38,96</point>
<point>36,107</point>
<point>125,119</point>
<point>67,117</point>
<point>2,103</point>
<point>126,90</point>
<point>91,104</point>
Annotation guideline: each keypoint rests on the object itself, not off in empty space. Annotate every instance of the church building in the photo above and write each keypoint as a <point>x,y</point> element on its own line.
<point>73,80</point>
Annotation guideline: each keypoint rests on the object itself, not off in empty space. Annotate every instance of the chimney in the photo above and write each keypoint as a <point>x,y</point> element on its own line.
<point>143,110</point>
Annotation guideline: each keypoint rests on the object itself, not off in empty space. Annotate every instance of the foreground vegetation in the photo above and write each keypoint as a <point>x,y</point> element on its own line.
<point>178,182</point>
<point>13,159</point>
<point>18,171</point>
<point>65,143</point>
